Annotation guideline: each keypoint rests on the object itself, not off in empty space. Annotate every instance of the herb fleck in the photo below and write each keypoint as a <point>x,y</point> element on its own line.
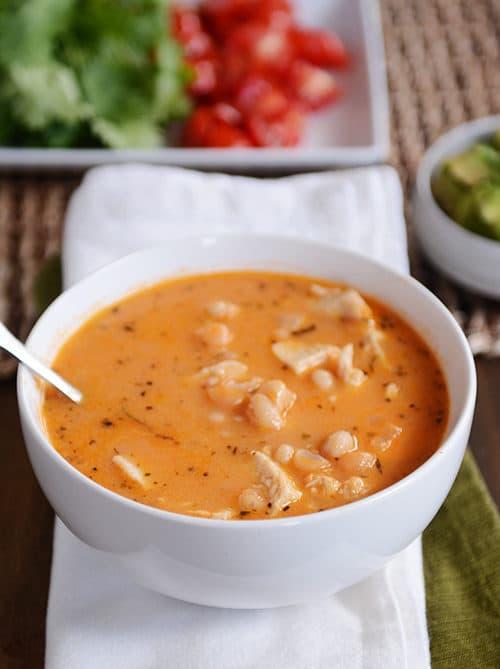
<point>303,331</point>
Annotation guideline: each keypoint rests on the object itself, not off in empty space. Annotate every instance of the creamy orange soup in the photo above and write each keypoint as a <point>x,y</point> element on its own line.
<point>247,395</point>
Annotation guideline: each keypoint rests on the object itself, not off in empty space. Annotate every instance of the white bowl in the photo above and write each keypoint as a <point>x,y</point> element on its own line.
<point>469,259</point>
<point>260,563</point>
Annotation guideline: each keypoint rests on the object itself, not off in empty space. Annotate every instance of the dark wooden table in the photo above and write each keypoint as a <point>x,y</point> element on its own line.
<point>26,520</point>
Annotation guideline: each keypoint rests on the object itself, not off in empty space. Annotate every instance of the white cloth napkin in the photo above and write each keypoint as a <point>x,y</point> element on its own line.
<point>97,618</point>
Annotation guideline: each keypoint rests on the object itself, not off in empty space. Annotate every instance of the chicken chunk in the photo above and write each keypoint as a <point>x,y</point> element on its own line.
<point>284,453</point>
<point>345,367</point>
<point>232,393</point>
<point>342,303</point>
<point>372,340</point>
<point>130,470</point>
<point>386,438</point>
<point>226,369</point>
<point>290,321</point>
<point>224,514</point>
<point>302,357</point>
<point>281,488</point>
<point>321,484</point>
<point>352,487</point>
<point>308,461</point>
<point>254,498</point>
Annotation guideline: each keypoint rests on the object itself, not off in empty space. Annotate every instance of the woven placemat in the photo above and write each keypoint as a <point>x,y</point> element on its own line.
<point>443,67</point>
<point>31,217</point>
<point>443,64</point>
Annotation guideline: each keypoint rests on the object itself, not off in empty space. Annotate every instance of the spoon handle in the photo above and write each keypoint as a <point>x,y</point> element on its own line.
<point>13,346</point>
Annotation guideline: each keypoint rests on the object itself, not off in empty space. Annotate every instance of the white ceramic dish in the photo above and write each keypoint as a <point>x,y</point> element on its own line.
<point>469,259</point>
<point>353,132</point>
<point>261,563</point>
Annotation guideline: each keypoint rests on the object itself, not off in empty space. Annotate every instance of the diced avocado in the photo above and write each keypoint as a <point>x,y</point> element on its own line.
<point>481,211</point>
<point>468,168</point>
<point>447,192</point>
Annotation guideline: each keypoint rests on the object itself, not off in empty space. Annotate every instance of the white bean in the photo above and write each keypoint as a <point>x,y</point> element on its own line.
<point>356,377</point>
<point>263,412</point>
<point>339,443</point>
<point>279,394</point>
<point>357,461</point>
<point>215,335</point>
<point>322,379</point>
<point>216,417</point>
<point>391,391</point>
<point>221,310</point>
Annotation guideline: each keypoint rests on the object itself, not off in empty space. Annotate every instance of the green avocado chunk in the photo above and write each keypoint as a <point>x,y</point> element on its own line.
<point>479,162</point>
<point>479,210</point>
<point>467,188</point>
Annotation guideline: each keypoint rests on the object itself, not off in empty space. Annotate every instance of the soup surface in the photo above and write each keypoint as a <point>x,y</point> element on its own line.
<point>247,395</point>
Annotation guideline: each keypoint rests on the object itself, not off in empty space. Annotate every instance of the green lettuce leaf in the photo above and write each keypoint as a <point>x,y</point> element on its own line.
<point>88,73</point>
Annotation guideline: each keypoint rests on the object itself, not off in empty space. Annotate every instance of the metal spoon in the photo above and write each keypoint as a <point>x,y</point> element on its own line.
<point>13,346</point>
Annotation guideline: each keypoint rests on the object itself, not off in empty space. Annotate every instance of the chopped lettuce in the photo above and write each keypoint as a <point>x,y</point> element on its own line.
<point>88,73</point>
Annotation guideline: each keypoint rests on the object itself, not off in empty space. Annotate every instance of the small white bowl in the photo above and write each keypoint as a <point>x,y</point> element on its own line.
<point>259,563</point>
<point>469,259</point>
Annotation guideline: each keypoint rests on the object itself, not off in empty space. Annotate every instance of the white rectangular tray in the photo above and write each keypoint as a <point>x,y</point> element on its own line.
<point>354,131</point>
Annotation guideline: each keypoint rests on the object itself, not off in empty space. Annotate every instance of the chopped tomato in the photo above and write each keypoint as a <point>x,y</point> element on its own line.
<point>224,15</point>
<point>197,127</point>
<point>235,67</point>
<point>256,72</point>
<point>200,45</point>
<point>283,130</point>
<point>319,47</point>
<point>313,87</point>
<point>258,95</point>
<point>185,23</point>
<point>265,47</point>
<point>228,113</point>
<point>207,128</point>
<point>205,77</point>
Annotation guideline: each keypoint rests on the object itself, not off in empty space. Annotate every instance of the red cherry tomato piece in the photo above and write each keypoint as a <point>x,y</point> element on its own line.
<point>207,127</point>
<point>319,48</point>
<point>313,87</point>
<point>185,23</point>
<point>257,95</point>
<point>265,47</point>
<point>283,130</point>
<point>199,46</point>
<point>223,15</point>
<point>226,112</point>
<point>205,77</point>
